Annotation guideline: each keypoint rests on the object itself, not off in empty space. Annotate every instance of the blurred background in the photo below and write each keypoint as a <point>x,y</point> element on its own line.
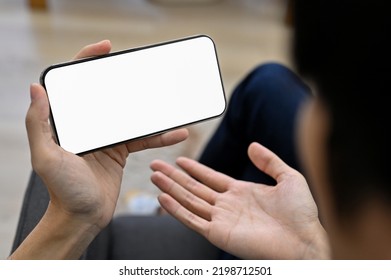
<point>35,34</point>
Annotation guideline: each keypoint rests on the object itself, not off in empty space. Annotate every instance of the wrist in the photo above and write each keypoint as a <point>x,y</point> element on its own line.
<point>319,246</point>
<point>58,235</point>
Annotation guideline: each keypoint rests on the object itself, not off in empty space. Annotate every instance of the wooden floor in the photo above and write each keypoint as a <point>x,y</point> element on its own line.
<point>246,33</point>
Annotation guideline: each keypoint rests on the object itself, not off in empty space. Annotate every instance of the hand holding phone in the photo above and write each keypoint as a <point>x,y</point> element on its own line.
<point>83,190</point>
<point>102,101</point>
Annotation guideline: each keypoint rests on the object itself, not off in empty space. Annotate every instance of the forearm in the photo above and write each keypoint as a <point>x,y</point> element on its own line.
<point>57,236</point>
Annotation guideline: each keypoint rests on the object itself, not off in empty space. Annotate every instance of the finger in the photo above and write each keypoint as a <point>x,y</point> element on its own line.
<point>37,125</point>
<point>190,184</point>
<point>188,200</point>
<point>209,177</point>
<point>161,140</point>
<point>183,215</point>
<point>100,48</point>
<point>267,161</point>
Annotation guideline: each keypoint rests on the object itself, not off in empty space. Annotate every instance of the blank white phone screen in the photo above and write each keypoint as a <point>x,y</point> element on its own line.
<point>129,95</point>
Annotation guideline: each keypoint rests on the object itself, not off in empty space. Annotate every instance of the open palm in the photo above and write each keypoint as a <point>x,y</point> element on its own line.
<point>249,220</point>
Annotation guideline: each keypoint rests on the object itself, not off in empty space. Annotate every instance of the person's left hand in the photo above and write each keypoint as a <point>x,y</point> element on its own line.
<point>248,220</point>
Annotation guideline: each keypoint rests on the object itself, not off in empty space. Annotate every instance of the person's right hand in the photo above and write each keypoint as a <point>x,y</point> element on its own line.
<point>83,189</point>
<point>249,220</point>
<point>89,184</point>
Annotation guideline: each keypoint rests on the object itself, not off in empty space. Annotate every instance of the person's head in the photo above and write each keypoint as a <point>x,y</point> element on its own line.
<point>343,47</point>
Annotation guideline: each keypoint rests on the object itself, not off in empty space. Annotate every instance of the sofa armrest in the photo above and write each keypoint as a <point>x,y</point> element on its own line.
<point>35,202</point>
<point>157,237</point>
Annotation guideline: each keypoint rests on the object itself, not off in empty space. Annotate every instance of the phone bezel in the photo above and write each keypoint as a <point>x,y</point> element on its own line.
<point>116,53</point>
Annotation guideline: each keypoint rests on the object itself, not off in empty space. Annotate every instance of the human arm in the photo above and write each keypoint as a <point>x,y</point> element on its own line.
<point>249,220</point>
<point>83,190</point>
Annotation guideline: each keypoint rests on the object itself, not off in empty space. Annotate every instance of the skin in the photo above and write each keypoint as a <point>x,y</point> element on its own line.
<point>83,190</point>
<point>251,221</point>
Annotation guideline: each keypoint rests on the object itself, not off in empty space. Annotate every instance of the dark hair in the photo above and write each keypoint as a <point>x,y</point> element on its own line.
<point>344,47</point>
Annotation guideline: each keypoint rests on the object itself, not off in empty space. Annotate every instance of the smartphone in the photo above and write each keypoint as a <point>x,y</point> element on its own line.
<point>102,101</point>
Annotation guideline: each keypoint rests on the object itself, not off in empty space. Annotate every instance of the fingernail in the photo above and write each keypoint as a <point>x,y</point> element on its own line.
<point>104,41</point>
<point>33,91</point>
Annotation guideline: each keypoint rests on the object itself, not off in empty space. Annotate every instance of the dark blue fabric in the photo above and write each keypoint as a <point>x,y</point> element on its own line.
<point>263,108</point>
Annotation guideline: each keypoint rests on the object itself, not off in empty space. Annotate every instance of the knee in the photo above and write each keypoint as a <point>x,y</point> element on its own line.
<point>271,70</point>
<point>271,76</point>
<point>271,79</point>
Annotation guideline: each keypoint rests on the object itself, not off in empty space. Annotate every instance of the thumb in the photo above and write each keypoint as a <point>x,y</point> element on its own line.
<point>267,161</point>
<point>37,122</point>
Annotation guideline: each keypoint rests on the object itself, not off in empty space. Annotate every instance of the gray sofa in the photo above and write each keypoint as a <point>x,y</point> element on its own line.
<point>126,237</point>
